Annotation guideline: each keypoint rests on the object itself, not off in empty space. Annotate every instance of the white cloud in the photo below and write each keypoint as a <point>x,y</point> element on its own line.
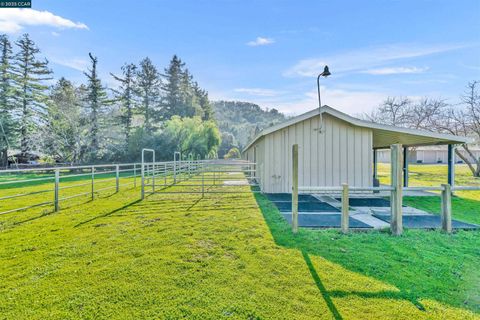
<point>8,26</point>
<point>366,58</point>
<point>349,101</point>
<point>74,63</point>
<point>14,20</point>
<point>260,41</point>
<point>258,92</point>
<point>395,70</point>
<point>55,34</point>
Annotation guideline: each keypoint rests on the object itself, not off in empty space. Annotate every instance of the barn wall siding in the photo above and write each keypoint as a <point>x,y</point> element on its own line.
<point>342,153</point>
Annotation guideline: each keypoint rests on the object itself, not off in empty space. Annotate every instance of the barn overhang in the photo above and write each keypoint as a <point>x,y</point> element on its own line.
<point>384,138</point>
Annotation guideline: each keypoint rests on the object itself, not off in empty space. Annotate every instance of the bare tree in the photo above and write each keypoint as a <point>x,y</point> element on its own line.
<point>436,115</point>
<point>465,122</point>
<point>425,114</point>
<point>393,111</point>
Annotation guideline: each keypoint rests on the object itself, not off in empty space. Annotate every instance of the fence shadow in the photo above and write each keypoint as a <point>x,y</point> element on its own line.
<point>108,213</point>
<point>321,287</point>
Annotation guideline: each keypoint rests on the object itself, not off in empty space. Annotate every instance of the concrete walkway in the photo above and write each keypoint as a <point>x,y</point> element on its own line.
<point>366,214</point>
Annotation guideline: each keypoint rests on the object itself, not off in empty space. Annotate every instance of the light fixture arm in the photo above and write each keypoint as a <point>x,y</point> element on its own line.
<point>325,74</point>
<point>318,91</point>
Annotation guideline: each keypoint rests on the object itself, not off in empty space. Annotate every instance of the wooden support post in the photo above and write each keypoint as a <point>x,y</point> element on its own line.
<point>447,208</point>
<point>117,178</point>
<point>295,188</point>
<point>451,165</point>
<point>345,205</point>
<point>93,183</point>
<point>405,166</point>
<point>396,223</point>
<point>375,164</point>
<point>57,189</point>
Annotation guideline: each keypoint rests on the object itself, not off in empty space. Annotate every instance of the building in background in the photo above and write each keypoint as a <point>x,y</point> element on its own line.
<point>428,154</point>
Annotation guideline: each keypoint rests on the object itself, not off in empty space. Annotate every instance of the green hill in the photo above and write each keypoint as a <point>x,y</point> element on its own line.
<point>240,120</point>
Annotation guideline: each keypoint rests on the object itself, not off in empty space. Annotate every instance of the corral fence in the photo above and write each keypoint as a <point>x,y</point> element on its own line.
<point>22,189</point>
<point>395,189</point>
<point>197,176</point>
<point>39,187</point>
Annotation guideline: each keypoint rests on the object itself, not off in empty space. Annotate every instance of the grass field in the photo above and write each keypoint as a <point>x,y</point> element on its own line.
<point>228,256</point>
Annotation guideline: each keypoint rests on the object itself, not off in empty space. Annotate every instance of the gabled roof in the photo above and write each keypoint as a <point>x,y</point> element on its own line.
<point>383,135</point>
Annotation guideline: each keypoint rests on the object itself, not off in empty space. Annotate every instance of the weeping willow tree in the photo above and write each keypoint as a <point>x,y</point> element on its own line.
<point>192,136</point>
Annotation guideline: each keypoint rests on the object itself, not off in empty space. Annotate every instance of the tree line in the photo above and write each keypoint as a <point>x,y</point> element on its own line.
<point>436,114</point>
<point>89,123</point>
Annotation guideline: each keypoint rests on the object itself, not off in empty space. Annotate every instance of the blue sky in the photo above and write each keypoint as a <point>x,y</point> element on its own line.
<point>269,52</point>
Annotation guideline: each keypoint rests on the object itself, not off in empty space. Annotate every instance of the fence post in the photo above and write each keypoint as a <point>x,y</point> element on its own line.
<point>93,182</point>
<point>134,175</point>
<point>117,178</point>
<point>174,169</point>
<point>447,208</point>
<point>153,175</point>
<point>57,185</point>
<point>396,223</point>
<point>203,180</point>
<point>143,180</point>
<point>295,188</point>
<point>345,207</point>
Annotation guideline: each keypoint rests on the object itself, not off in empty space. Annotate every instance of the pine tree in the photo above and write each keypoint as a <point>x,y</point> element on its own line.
<point>30,74</point>
<point>203,101</point>
<point>96,100</point>
<point>7,121</point>
<point>149,90</point>
<point>173,88</point>
<point>125,95</point>
<point>189,106</point>
<point>62,134</point>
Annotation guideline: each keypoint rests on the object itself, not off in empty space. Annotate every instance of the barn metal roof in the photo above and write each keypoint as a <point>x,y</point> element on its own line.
<point>383,135</point>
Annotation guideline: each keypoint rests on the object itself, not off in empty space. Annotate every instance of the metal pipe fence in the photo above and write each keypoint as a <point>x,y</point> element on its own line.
<point>52,186</point>
<point>22,189</point>
<point>199,176</point>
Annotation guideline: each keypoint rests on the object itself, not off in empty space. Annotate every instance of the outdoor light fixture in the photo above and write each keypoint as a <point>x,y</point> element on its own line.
<point>325,74</point>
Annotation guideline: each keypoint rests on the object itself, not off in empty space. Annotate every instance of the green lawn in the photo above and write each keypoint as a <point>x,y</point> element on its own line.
<point>228,256</point>
<point>465,204</point>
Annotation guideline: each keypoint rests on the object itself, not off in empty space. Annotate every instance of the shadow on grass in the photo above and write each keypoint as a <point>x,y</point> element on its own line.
<point>321,287</point>
<point>406,262</point>
<point>108,213</point>
<point>41,215</point>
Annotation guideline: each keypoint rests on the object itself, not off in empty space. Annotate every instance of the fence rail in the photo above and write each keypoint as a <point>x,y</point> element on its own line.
<point>59,184</point>
<point>42,187</point>
<point>198,176</point>
<point>395,189</point>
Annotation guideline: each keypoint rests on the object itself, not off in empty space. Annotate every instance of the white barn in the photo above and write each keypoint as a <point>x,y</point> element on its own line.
<point>341,150</point>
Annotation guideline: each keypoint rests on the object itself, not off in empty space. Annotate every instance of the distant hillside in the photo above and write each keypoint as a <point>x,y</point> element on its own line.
<point>242,119</point>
